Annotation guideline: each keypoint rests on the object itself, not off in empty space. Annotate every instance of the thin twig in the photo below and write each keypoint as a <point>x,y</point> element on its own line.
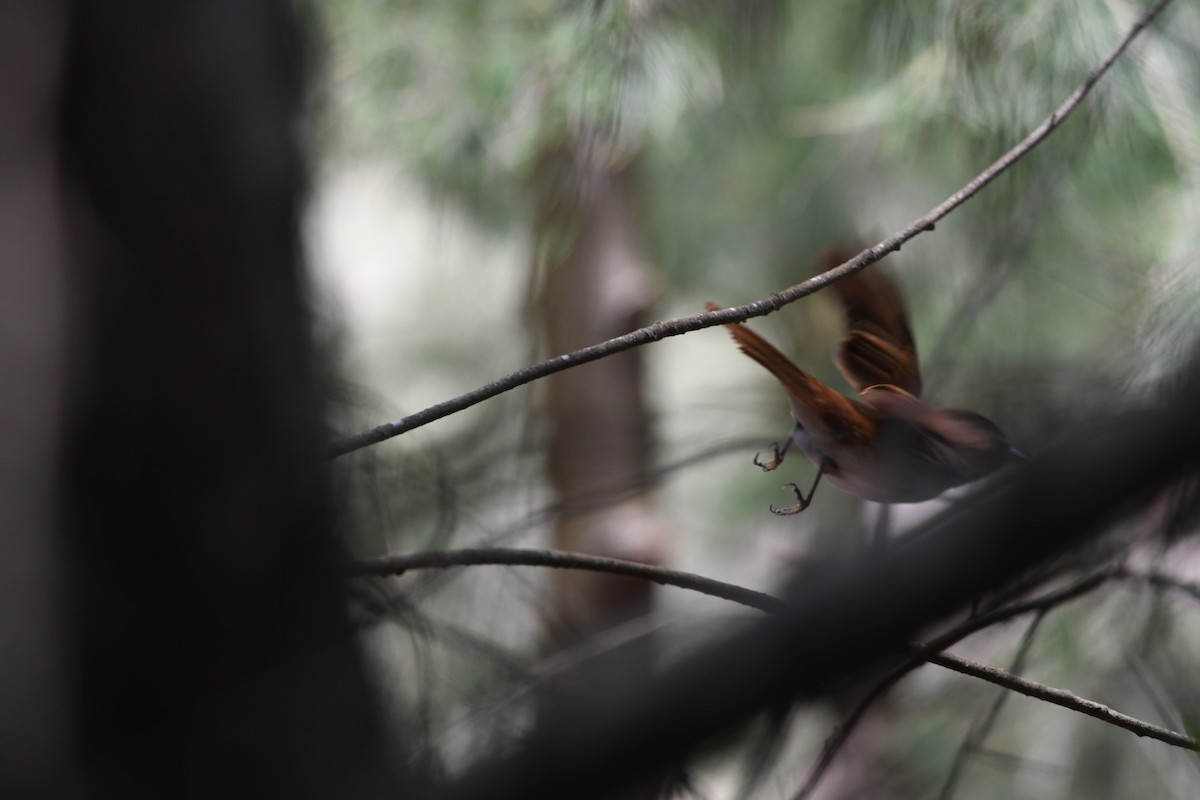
<point>758,308</point>
<point>842,733</point>
<point>588,501</point>
<point>919,654</point>
<point>983,725</point>
<point>1061,697</point>
<point>507,556</point>
<point>393,565</point>
<point>1160,581</point>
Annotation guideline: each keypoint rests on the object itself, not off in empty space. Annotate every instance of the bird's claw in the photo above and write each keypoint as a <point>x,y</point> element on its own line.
<point>801,502</point>
<point>773,462</point>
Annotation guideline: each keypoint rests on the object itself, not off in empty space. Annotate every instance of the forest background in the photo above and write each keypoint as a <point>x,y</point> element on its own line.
<point>500,183</point>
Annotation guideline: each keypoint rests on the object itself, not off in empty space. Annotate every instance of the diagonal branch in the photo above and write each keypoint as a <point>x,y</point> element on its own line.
<point>842,733</point>
<point>758,308</point>
<point>1061,697</point>
<point>398,564</point>
<point>1036,605</point>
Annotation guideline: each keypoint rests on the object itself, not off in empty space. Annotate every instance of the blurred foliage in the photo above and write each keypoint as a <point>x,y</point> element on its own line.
<point>859,116</point>
<point>471,92</point>
<point>764,131</point>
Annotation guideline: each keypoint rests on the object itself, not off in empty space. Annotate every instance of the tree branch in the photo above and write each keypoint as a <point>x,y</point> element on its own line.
<point>1061,697</point>
<point>391,565</point>
<point>1036,605</point>
<point>395,565</point>
<point>842,733</point>
<point>758,308</point>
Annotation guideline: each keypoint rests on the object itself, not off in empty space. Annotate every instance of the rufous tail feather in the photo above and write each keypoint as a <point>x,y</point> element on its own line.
<point>808,395</point>
<point>765,353</point>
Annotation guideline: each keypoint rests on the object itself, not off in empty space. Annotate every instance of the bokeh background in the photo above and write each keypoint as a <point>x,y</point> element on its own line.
<point>497,183</point>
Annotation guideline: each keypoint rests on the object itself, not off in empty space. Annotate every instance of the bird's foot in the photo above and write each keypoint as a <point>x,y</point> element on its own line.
<point>774,461</point>
<point>801,502</point>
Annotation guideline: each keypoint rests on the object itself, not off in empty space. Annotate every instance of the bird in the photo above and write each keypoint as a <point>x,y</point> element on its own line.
<point>885,445</point>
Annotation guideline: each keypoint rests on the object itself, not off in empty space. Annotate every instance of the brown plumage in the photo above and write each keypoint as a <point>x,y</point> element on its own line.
<point>814,404</point>
<point>887,446</point>
<point>878,346</point>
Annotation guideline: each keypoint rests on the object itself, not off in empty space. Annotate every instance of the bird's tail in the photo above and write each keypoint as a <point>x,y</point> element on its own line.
<point>765,353</point>
<point>814,405</point>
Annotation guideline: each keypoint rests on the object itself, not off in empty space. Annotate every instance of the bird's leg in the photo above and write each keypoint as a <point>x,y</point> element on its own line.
<point>776,458</point>
<point>802,502</point>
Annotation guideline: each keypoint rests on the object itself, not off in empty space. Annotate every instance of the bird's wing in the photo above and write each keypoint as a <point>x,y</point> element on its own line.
<point>819,409</point>
<point>878,347</point>
<point>955,445</point>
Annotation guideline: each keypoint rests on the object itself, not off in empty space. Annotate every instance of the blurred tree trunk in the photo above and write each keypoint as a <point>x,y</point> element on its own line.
<point>35,750</point>
<point>174,620</point>
<point>598,284</point>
